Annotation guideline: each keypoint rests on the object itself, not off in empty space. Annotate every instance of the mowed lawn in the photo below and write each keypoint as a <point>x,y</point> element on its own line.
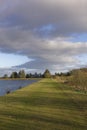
<point>45,105</point>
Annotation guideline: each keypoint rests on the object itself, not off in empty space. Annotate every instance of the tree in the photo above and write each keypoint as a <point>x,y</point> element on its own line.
<point>14,75</point>
<point>27,76</point>
<point>22,74</point>
<point>47,74</point>
<point>5,76</point>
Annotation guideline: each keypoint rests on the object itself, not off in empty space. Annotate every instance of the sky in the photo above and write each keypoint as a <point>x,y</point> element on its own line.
<point>9,60</point>
<point>36,35</point>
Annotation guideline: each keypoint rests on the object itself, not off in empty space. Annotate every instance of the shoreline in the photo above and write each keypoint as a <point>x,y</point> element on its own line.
<point>19,78</point>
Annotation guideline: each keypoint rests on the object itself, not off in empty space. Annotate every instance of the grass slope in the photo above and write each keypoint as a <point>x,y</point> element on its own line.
<point>45,105</point>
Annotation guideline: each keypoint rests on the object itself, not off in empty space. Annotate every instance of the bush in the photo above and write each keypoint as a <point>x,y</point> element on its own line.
<point>79,80</point>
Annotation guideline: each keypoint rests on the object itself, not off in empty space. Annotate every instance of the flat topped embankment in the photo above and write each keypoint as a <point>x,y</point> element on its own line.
<point>45,105</point>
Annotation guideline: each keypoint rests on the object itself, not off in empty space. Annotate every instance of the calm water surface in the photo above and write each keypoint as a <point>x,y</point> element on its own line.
<point>12,85</point>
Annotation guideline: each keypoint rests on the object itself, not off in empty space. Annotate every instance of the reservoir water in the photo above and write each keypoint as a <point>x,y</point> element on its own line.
<point>12,85</point>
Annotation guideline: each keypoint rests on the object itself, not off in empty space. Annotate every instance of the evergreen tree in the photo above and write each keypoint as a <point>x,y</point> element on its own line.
<point>5,76</point>
<point>27,76</point>
<point>47,74</point>
<point>14,75</point>
<point>22,74</point>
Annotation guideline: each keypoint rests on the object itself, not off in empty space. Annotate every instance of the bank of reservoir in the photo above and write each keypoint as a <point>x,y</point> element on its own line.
<point>7,86</point>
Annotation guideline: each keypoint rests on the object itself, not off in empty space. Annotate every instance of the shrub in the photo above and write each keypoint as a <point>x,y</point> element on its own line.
<point>79,80</point>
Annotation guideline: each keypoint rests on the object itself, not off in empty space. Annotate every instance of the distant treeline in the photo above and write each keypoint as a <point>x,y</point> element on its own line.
<point>22,74</point>
<point>46,74</point>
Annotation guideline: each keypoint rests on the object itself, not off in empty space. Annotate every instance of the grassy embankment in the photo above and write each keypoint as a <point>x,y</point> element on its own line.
<point>46,105</point>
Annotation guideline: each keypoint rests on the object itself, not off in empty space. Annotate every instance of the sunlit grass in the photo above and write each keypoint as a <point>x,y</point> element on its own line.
<point>46,105</point>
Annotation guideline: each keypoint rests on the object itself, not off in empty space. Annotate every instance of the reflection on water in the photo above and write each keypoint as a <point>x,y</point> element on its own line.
<point>7,86</point>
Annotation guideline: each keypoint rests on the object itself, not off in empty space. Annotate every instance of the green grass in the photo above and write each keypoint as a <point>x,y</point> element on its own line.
<point>45,105</point>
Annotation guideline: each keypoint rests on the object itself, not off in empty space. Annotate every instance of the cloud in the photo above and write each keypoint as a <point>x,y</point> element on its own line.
<point>52,53</point>
<point>67,16</point>
<point>43,31</point>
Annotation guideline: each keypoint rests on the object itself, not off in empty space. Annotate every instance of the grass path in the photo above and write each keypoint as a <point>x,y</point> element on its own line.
<point>45,105</point>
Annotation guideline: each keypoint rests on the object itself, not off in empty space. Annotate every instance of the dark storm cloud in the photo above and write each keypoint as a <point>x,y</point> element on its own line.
<point>42,30</point>
<point>67,16</point>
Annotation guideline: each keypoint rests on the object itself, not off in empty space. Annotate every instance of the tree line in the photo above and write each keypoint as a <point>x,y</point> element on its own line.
<point>22,74</point>
<point>46,74</point>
